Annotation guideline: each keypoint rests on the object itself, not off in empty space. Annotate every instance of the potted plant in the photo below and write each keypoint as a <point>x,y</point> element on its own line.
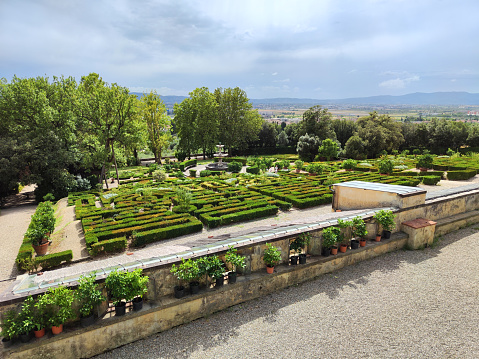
<point>138,285</point>
<point>330,237</point>
<point>385,219</point>
<point>359,231</point>
<point>234,261</point>
<point>40,317</point>
<point>187,271</point>
<point>9,327</point>
<point>271,257</point>
<point>346,234</point>
<point>385,166</point>
<point>302,241</point>
<point>294,247</point>
<point>41,225</point>
<point>425,161</point>
<point>59,307</point>
<point>25,320</point>
<point>215,269</point>
<point>349,164</point>
<point>89,296</point>
<point>299,165</point>
<point>116,284</point>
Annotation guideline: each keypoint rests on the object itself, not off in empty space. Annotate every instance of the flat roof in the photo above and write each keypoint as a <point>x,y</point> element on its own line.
<point>402,191</point>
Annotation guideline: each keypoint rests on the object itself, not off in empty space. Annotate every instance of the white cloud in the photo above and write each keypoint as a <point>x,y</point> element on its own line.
<point>398,83</point>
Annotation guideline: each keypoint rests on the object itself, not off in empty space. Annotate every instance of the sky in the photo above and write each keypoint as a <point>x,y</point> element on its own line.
<point>316,49</point>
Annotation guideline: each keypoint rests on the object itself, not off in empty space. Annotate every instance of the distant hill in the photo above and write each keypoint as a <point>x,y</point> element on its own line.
<point>418,98</point>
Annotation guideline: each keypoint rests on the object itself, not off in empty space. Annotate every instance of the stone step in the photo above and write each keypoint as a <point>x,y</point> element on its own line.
<point>458,221</point>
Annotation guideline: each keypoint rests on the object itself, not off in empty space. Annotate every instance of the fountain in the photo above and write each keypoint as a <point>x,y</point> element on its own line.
<point>218,166</point>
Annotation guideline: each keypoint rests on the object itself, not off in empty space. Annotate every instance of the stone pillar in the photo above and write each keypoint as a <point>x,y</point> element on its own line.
<point>420,232</point>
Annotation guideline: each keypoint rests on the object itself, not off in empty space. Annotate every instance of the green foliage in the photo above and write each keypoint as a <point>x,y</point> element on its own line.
<point>349,164</point>
<point>183,198</point>
<point>386,219</point>
<point>234,259</point>
<point>359,227</point>
<point>88,294</point>
<point>187,271</point>
<point>253,170</point>
<point>159,175</point>
<point>460,175</point>
<point>299,164</point>
<point>43,222</point>
<point>54,259</point>
<point>307,147</point>
<point>215,267</point>
<point>10,324</point>
<point>107,246</point>
<point>271,255</point>
<point>385,166</point>
<point>328,149</point>
<point>316,168</point>
<point>300,242</point>
<point>57,303</point>
<point>193,173</point>
<point>331,236</point>
<point>234,167</point>
<point>450,152</point>
<point>317,121</point>
<point>425,161</point>
<point>205,173</point>
<point>126,285</point>
<point>430,180</point>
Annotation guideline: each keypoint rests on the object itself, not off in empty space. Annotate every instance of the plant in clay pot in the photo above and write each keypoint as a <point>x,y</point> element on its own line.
<point>117,284</point>
<point>138,285</point>
<point>330,235</point>
<point>89,296</point>
<point>58,303</point>
<point>385,219</point>
<point>234,261</point>
<point>301,241</point>
<point>359,231</point>
<point>299,165</point>
<point>346,234</point>
<point>271,257</point>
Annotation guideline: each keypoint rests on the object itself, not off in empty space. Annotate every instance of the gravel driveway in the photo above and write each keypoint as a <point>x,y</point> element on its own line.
<point>406,304</point>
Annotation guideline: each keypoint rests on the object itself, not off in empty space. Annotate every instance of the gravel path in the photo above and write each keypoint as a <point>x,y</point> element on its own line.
<point>406,304</point>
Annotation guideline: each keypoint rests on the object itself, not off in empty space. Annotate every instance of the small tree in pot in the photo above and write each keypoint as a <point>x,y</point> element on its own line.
<point>235,261</point>
<point>186,271</point>
<point>58,303</point>
<point>116,283</point>
<point>385,219</point>
<point>359,231</point>
<point>9,327</point>
<point>301,241</point>
<point>271,257</point>
<point>89,296</point>
<point>138,285</point>
<point>216,269</point>
<point>330,235</point>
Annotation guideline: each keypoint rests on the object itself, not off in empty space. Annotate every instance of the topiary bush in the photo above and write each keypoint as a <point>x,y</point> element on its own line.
<point>234,167</point>
<point>430,180</point>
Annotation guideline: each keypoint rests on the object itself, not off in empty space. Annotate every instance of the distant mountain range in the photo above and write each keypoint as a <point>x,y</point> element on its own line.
<point>418,98</point>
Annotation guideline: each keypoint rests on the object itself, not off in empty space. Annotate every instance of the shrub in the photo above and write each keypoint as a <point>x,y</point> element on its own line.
<point>430,180</point>
<point>425,161</point>
<point>316,168</point>
<point>192,173</point>
<point>205,173</point>
<point>54,260</point>
<point>271,255</point>
<point>159,175</point>
<point>234,167</point>
<point>385,166</point>
<point>348,164</point>
<point>253,170</point>
<point>159,234</point>
<point>460,175</point>
<point>108,246</point>
<point>299,165</point>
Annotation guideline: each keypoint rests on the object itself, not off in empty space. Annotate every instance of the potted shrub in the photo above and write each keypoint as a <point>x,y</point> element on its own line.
<point>359,231</point>
<point>299,165</point>
<point>9,327</point>
<point>235,261</point>
<point>116,283</point>
<point>346,234</point>
<point>187,271</point>
<point>349,164</point>
<point>138,286</point>
<point>330,236</point>
<point>385,219</point>
<point>385,166</point>
<point>58,303</point>
<point>215,269</point>
<point>89,296</point>
<point>271,257</point>
<point>294,247</point>
<point>424,162</point>
<point>302,241</point>
<point>41,226</point>
<point>25,320</point>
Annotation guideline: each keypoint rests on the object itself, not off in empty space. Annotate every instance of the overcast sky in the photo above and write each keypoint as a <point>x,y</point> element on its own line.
<point>270,48</point>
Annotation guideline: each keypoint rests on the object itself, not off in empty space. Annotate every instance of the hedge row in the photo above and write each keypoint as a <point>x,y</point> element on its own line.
<point>233,159</point>
<point>460,175</point>
<point>54,260</point>
<point>108,246</point>
<point>253,170</point>
<point>187,164</point>
<point>310,202</point>
<point>431,180</point>
<point>155,235</point>
<point>218,218</point>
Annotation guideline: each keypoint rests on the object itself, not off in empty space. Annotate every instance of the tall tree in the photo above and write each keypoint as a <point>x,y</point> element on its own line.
<point>238,122</point>
<point>106,112</point>
<point>158,123</point>
<point>344,129</point>
<point>205,105</point>
<point>185,124</point>
<point>317,121</point>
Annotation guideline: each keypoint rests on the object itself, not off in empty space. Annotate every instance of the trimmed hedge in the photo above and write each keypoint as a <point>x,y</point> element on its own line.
<point>54,260</point>
<point>253,170</point>
<point>233,159</point>
<point>108,246</point>
<point>187,164</point>
<point>309,202</point>
<point>460,175</point>
<point>431,180</point>
<point>156,235</point>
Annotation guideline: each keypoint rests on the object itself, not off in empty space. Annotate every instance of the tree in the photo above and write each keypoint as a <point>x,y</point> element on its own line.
<point>473,136</point>
<point>308,147</point>
<point>282,139</point>
<point>344,129</point>
<point>238,122</point>
<point>206,119</point>
<point>328,149</point>
<point>267,135</point>
<point>106,111</point>
<point>158,124</point>
<point>379,133</point>
<point>317,121</point>
<point>185,123</point>
<point>355,148</point>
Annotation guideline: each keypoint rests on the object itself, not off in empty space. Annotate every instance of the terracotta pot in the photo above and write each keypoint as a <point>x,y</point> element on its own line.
<point>362,242</point>
<point>41,249</point>
<point>270,270</point>
<point>39,333</point>
<point>334,250</point>
<point>342,248</point>
<point>378,238</point>
<point>57,330</point>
